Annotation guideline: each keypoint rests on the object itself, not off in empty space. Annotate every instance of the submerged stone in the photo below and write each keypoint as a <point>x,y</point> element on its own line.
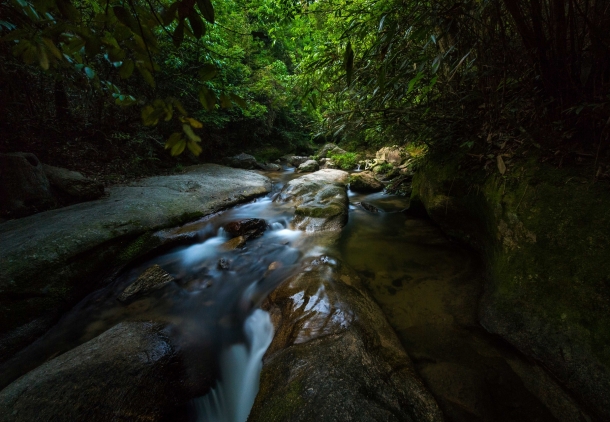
<point>250,227</point>
<point>153,278</point>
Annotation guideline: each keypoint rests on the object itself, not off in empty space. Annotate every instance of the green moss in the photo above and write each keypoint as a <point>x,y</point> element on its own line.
<point>283,407</point>
<point>546,238</point>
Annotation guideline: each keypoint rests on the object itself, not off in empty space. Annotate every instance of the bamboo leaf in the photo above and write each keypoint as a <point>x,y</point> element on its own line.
<point>501,165</point>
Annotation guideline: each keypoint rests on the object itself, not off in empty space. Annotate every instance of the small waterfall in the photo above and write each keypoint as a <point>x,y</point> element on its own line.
<point>240,368</point>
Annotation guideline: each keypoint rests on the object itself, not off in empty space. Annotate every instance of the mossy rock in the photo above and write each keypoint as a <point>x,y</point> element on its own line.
<point>545,236</point>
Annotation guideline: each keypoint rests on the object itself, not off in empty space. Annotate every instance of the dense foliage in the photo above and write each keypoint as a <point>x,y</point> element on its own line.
<point>480,75</point>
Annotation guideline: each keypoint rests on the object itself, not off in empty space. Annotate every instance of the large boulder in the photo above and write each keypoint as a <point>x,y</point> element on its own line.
<point>364,182</point>
<point>130,372</point>
<point>24,187</point>
<point>327,163</point>
<point>330,149</point>
<point>545,236</point>
<point>320,200</point>
<point>334,357</point>
<point>297,160</point>
<point>308,166</point>
<point>73,186</point>
<point>393,155</point>
<point>53,259</point>
<point>242,161</point>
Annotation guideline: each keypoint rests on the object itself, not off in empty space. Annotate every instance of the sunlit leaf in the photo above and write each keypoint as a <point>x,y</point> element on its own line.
<point>43,58</point>
<point>178,147</point>
<point>194,148</point>
<point>188,130</point>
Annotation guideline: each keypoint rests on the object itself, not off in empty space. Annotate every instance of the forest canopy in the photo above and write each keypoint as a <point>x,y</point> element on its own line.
<point>476,75</point>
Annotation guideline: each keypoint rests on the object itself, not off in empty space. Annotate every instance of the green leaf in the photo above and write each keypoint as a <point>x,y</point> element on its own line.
<point>89,72</point>
<point>239,101</point>
<point>207,10</point>
<point>178,147</point>
<point>414,81</point>
<point>207,98</point>
<point>126,69</point>
<point>173,140</point>
<point>194,148</point>
<point>43,58</point>
<point>225,101</point>
<point>148,77</point>
<point>125,17</point>
<point>207,72</point>
<point>67,10</point>
<point>197,24</point>
<point>188,130</point>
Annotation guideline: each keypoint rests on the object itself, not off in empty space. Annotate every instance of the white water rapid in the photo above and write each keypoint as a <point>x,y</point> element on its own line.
<point>240,367</point>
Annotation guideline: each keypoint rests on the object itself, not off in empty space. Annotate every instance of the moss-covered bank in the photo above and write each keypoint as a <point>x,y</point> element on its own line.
<point>545,236</point>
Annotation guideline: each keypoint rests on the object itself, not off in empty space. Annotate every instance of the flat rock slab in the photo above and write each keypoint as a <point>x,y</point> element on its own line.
<point>320,200</point>
<point>127,373</point>
<point>52,259</point>
<point>334,356</point>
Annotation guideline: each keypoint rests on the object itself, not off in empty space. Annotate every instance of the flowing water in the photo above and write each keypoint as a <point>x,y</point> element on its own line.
<point>427,286</point>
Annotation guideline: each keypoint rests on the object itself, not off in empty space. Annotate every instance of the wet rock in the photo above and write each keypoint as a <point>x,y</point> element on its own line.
<point>297,160</point>
<point>250,227</point>
<point>327,163</point>
<point>323,152</point>
<point>24,187</point>
<point>153,278</point>
<point>129,372</point>
<point>269,166</point>
<point>544,294</point>
<point>242,161</point>
<point>334,357</point>
<point>393,155</point>
<point>308,166</point>
<point>320,200</point>
<point>72,185</point>
<point>235,243</point>
<point>53,259</point>
<point>369,207</point>
<point>364,182</point>
<point>223,264</point>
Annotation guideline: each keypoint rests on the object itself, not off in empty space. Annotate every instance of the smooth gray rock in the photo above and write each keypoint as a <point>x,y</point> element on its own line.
<point>72,185</point>
<point>53,259</point>
<point>320,200</point>
<point>334,356</point>
<point>130,372</point>
<point>24,187</point>
<point>308,166</point>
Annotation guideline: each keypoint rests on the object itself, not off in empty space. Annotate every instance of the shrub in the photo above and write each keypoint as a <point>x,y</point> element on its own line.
<point>347,161</point>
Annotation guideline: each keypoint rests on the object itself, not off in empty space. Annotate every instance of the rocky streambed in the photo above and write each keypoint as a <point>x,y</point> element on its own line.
<point>374,313</point>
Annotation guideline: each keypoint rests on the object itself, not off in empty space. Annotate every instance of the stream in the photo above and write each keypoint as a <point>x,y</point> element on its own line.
<point>427,286</point>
